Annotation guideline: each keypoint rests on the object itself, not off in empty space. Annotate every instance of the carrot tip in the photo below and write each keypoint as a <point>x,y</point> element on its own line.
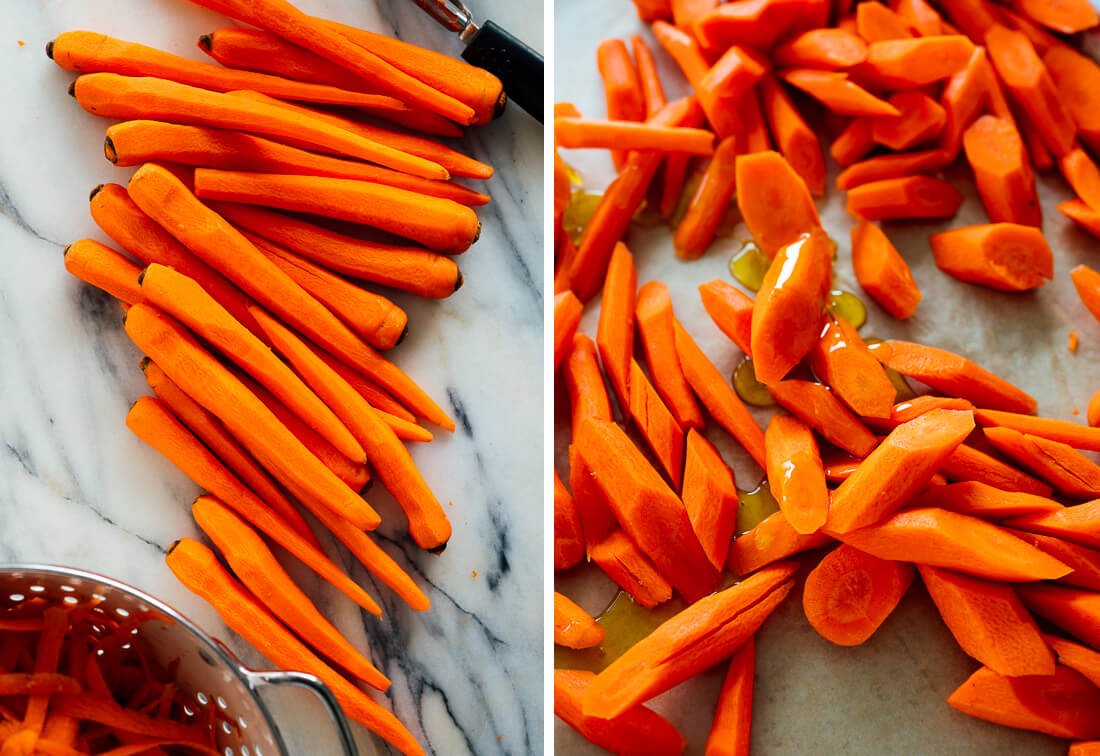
<point>49,49</point>
<point>95,191</point>
<point>459,280</point>
<point>109,150</point>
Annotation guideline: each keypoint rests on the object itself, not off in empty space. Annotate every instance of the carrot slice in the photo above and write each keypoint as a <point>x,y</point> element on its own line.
<point>1083,176</point>
<point>920,119</point>
<point>920,16</point>
<point>1065,16</point>
<point>910,409</point>
<point>569,546</point>
<point>854,143</point>
<point>759,23</point>
<point>710,497</point>
<point>795,473</point>
<point>615,332</point>
<point>731,730</point>
<point>795,139</point>
<point>652,418</point>
<point>701,635</point>
<point>1070,472</point>
<point>1081,214</point>
<point>849,594</point>
<point>718,396</point>
<point>829,49</point>
<point>1087,283</point>
<point>725,85</point>
<point>638,730</point>
<point>774,201</point>
<point>587,394</point>
<point>622,88</point>
<point>654,317</point>
<point>968,463</point>
<point>730,309</point>
<point>1002,172</point>
<point>652,89</point>
<point>897,469</point>
<point>937,537</point>
<point>816,406</point>
<point>1074,610</point>
<point>1077,78</point>
<point>964,97</point>
<point>649,511</point>
<point>625,564</point>
<point>567,316</point>
<point>892,166</point>
<point>953,375</point>
<point>979,499</point>
<point>1063,431</point>
<point>837,92</point>
<point>989,622</point>
<point>787,311</point>
<point>876,22</point>
<point>597,519</point>
<point>573,626</point>
<point>1064,704</point>
<point>1076,657</point>
<point>882,272</point>
<point>1084,561</point>
<point>582,133</point>
<point>707,208</point>
<point>844,363</point>
<point>910,63</point>
<point>684,49</point>
<point>104,268</point>
<point>771,540</point>
<point>1003,256</point>
<point>903,198</point>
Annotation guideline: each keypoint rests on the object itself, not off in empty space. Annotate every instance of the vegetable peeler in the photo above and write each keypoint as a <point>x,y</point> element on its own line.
<point>490,47</point>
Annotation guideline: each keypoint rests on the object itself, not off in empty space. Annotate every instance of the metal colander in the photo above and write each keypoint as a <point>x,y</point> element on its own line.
<point>207,671</point>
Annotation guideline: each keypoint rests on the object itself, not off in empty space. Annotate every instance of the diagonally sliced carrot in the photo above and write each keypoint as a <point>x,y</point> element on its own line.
<point>795,474</point>
<point>710,497</point>
<point>774,201</point>
<point>843,362</point>
<point>625,564</point>
<point>1084,561</point>
<point>837,92</point>
<point>730,309</point>
<point>1070,472</point>
<point>968,463</point>
<point>882,272</point>
<point>1074,610</point>
<point>569,546</point>
<point>904,198</point>
<point>771,540</point>
<point>637,730</point>
<point>731,731</point>
<point>615,332</point>
<point>573,626</point>
<point>654,317</point>
<point>1006,183</point>
<point>817,406</point>
<point>1002,256</point>
<point>978,499</point>
<point>657,425</point>
<point>1063,431</point>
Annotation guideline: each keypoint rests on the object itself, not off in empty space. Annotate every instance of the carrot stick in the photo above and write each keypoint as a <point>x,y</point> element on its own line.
<point>391,461</point>
<point>1087,283</point>
<point>622,87</point>
<point>1002,172</point>
<point>432,150</point>
<point>104,268</point>
<point>730,310</point>
<point>731,730</point>
<point>1081,214</point>
<point>184,299</point>
<point>989,622</point>
<point>637,730</point>
<point>260,572</point>
<point>684,50</point>
<point>726,84</point>
<point>116,214</point>
<point>796,474</point>
<point>572,133</point>
<point>843,362</point>
<point>137,142</point>
<point>920,119</point>
<point>759,23</point>
<point>1072,434</point>
<point>774,201</point>
<point>849,594</point>
<point>1077,79</point>
<point>210,432</point>
<point>615,331</point>
<point>33,684</point>
<point>686,12</point>
<point>92,708</point>
<point>569,545</point>
<point>691,641</point>
<point>710,497</point>
<point>584,381</point>
<point>597,519</point>
<point>410,269</point>
<point>787,311</point>
<point>1084,561</point>
<point>1075,610</point>
<point>968,463</point>
<point>652,91</point>
<point>817,406</point>
<point>903,198</point>
<point>198,569</point>
<point>964,97</point>
<point>573,626</point>
<point>979,499</point>
<point>937,537</point>
<point>717,395</point>
<point>837,92</point>
<point>829,49</point>
<point>673,178</point>
<point>47,657</point>
<point>1064,704</point>
<point>854,143</point>
<point>953,375</point>
<point>89,52</point>
<point>640,500</point>
<point>657,334</point>
<point>567,315</point>
<point>897,469</point>
<point>1067,17</point>
<point>1003,256</point>
<point>911,63</point>
<point>1069,471</point>
<point>707,207</point>
<point>630,569</point>
<point>876,23</point>
<point>920,16</point>
<point>1076,657</point>
<point>1083,176</point>
<point>796,141</point>
<point>209,236</point>
<point>905,411</point>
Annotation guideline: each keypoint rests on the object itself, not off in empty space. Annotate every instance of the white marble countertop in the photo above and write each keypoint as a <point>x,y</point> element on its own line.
<point>76,488</point>
<point>889,695</point>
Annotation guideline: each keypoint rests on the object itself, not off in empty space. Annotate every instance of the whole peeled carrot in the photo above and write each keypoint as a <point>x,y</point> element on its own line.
<point>89,52</point>
<point>127,97</point>
<point>439,224</point>
<point>105,269</point>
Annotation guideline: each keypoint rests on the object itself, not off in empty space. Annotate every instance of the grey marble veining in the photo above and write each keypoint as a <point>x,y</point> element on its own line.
<point>77,488</point>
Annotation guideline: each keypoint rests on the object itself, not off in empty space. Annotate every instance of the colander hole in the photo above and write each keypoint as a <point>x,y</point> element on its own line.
<point>127,646</point>
<point>228,751</point>
<point>68,589</point>
<point>188,710</point>
<point>17,597</point>
<point>258,751</point>
<point>135,631</point>
<point>71,600</point>
<point>244,750</point>
<point>242,723</point>
<point>221,703</point>
<point>38,589</point>
<point>122,612</point>
<point>99,597</point>
<point>202,698</point>
<point>227,728</point>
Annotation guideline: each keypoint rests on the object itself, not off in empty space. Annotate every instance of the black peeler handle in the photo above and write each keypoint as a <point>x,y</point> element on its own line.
<point>517,66</point>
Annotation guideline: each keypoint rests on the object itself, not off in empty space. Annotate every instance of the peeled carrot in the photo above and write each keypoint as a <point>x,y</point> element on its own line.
<point>909,409</point>
<point>622,87</point>
<point>567,316</point>
<point>428,523</point>
<point>731,730</point>
<point>717,395</point>
<point>573,626</point>
<point>200,572</point>
<point>760,23</point>
<point>920,119</point>
<point>903,198</point>
<point>953,375</point>
<point>1064,704</point>
<point>1067,17</point>
<point>638,730</point>
<point>910,63</point>
<point>1069,471</point>
<point>920,16</point>
<point>410,269</point>
<point>684,49</point>
<point>615,331</point>
<point>977,499</point>
<point>701,635</point>
<point>686,12</point>
<point>876,22</point>
<point>572,133</point>
<point>725,84</point>
<point>569,546</point>
<point>774,201</point>
<point>1075,610</point>
<point>1083,176</point>
<point>47,657</point>
<point>1003,256</point>
<point>730,310</point>
<point>937,537</point>
<point>965,96</point>
<point>104,268</point>
<point>968,463</point>
<point>137,142</point>
<point>1077,657</point>
<point>854,143</point>
<point>597,519</point>
<point>652,91</point>
<point>842,361</point>
<point>656,424</point>
<point>630,569</point>
<point>709,204</point>
<point>817,406</point>
<point>258,569</point>
<point>1078,524</point>
<point>849,594</point>
<point>1084,561</point>
<point>710,497</point>
<point>1087,283</point>
<point>1070,433</point>
<point>1081,214</point>
<point>654,318</point>
<point>1002,172</point>
<point>584,381</point>
<point>837,92</point>
<point>103,710</point>
<point>989,622</point>
<point>1077,78</point>
<point>795,139</point>
<point>772,539</point>
<point>821,49</point>
<point>796,474</point>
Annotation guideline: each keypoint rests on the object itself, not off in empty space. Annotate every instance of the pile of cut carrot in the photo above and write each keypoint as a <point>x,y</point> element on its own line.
<point>996,509</point>
<point>276,187</point>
